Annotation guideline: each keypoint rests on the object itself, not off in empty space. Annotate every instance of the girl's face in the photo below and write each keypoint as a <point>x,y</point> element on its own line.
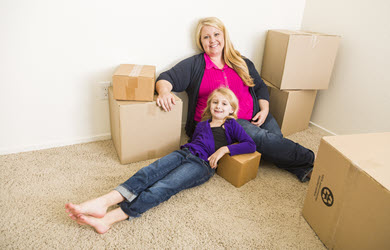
<point>212,41</point>
<point>220,107</point>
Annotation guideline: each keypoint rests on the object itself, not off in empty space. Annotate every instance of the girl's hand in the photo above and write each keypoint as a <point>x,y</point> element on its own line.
<point>214,158</point>
<point>259,118</point>
<point>166,101</point>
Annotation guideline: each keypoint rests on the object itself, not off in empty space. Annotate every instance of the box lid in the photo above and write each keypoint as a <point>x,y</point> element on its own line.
<point>135,70</point>
<point>125,103</point>
<point>368,152</point>
<point>302,33</point>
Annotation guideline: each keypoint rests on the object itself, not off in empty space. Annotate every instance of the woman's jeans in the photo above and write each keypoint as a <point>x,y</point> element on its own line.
<point>160,180</point>
<point>281,151</point>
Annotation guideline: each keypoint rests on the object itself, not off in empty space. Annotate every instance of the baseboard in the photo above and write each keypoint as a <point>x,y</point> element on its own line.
<point>318,126</point>
<point>55,144</point>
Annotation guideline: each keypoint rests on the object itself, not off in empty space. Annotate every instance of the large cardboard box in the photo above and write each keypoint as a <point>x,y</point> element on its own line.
<point>348,200</point>
<point>142,130</point>
<point>239,169</point>
<point>134,82</point>
<point>299,59</point>
<point>291,108</point>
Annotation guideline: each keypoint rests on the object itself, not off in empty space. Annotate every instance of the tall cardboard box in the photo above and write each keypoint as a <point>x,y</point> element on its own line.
<point>299,59</point>
<point>239,169</point>
<point>348,200</point>
<point>291,108</point>
<point>134,82</point>
<point>142,130</point>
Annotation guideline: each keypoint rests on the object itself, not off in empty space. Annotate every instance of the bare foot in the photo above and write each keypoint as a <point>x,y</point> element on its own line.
<point>96,223</point>
<point>95,208</point>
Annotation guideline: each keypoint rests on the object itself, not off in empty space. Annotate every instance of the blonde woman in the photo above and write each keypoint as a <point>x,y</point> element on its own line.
<point>220,65</point>
<point>192,165</point>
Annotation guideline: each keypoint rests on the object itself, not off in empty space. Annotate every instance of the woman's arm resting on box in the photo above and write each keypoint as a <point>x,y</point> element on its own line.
<point>165,99</point>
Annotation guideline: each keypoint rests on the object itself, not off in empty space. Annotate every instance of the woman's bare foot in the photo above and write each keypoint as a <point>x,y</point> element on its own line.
<point>100,226</point>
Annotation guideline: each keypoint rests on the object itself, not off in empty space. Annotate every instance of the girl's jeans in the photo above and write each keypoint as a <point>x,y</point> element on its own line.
<point>160,180</point>
<point>281,151</point>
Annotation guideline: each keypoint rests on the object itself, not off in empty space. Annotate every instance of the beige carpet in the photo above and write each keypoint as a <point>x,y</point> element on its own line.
<point>263,214</point>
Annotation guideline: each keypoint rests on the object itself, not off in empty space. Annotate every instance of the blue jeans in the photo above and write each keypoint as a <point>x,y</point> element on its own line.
<point>281,151</point>
<point>160,180</point>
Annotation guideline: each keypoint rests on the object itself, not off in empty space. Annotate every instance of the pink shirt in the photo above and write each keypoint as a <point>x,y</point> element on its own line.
<point>214,78</point>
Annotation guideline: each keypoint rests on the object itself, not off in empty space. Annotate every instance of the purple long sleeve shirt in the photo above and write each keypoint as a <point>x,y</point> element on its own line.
<point>202,144</point>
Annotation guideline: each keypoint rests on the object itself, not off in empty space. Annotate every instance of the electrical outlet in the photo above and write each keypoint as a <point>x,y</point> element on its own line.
<point>103,89</point>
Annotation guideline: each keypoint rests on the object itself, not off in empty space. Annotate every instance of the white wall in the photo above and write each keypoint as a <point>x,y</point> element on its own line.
<point>358,98</point>
<point>53,53</point>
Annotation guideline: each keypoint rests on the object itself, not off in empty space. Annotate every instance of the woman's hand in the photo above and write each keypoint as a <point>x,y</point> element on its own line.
<point>259,118</point>
<point>165,99</point>
<point>214,158</point>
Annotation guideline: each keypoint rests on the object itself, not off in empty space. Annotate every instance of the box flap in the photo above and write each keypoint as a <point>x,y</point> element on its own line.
<point>368,152</point>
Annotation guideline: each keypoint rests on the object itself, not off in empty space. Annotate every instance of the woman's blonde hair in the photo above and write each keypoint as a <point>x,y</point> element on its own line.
<point>229,95</point>
<point>231,56</point>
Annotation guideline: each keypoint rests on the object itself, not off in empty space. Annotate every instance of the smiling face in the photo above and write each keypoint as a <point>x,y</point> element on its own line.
<point>212,40</point>
<point>220,107</point>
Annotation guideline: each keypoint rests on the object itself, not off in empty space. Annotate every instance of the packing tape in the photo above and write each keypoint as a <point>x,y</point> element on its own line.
<point>314,41</point>
<point>136,70</point>
<point>132,85</point>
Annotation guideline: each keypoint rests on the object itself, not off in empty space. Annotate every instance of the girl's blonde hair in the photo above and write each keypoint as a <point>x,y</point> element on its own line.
<point>229,95</point>
<point>231,56</point>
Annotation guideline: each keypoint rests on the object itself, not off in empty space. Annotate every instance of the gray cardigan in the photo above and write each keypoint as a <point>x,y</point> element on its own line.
<point>187,76</point>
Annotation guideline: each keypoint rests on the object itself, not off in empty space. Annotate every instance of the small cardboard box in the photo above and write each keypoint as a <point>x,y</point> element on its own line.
<point>291,108</point>
<point>299,59</point>
<point>142,130</point>
<point>348,199</point>
<point>133,82</point>
<point>239,169</point>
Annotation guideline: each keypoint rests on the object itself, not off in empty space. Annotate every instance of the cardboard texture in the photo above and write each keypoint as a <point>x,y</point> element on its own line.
<point>291,108</point>
<point>142,130</point>
<point>348,199</point>
<point>133,82</point>
<point>299,59</point>
<point>239,169</point>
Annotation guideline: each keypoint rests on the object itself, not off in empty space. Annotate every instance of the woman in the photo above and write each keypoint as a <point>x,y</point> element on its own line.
<point>221,65</point>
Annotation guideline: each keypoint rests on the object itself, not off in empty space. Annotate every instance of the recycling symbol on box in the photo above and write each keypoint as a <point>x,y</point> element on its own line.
<point>327,196</point>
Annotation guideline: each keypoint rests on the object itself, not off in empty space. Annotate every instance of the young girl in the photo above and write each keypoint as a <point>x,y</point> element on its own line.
<point>188,167</point>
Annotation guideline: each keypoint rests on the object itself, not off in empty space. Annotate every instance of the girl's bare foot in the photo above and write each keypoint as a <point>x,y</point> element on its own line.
<point>96,223</point>
<point>102,225</point>
<point>95,208</point>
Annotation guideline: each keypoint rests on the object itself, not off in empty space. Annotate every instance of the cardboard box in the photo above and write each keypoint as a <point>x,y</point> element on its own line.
<point>142,130</point>
<point>348,200</point>
<point>134,82</point>
<point>239,169</point>
<point>299,59</point>
<point>291,108</point>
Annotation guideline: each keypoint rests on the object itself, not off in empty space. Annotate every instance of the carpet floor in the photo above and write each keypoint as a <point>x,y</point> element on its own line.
<point>265,213</point>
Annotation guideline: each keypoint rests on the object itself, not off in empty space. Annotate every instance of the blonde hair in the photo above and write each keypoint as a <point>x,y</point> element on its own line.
<point>229,95</point>
<point>231,56</point>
